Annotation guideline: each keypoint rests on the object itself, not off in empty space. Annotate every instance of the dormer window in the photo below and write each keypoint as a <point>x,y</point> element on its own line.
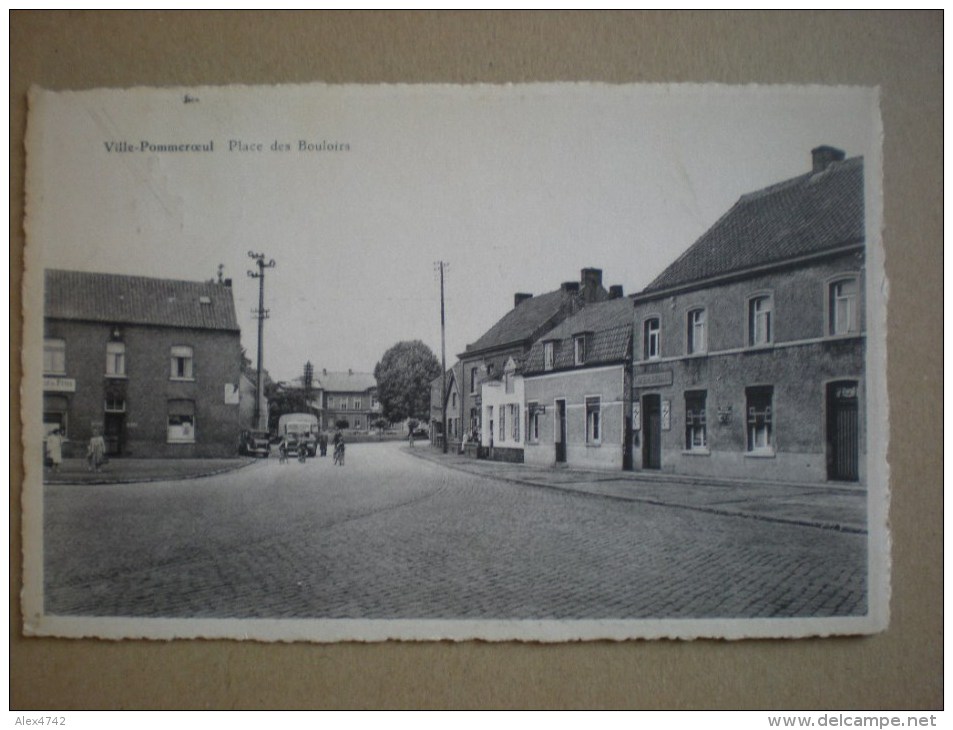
<point>549,355</point>
<point>579,349</point>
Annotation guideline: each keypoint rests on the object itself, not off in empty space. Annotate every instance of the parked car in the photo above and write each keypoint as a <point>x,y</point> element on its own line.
<point>254,443</point>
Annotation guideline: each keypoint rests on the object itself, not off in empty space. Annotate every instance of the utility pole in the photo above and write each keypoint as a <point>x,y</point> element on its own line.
<point>261,314</point>
<point>443,356</point>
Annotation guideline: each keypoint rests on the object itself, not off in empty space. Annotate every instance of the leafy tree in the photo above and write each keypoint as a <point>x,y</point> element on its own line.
<point>403,380</point>
<point>341,424</point>
<point>282,401</point>
<point>380,424</point>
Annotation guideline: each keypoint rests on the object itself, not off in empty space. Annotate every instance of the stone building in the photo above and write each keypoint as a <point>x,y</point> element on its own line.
<point>153,364</point>
<point>455,428</point>
<point>750,348</point>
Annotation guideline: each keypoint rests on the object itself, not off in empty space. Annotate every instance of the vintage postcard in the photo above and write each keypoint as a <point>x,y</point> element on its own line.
<point>538,362</point>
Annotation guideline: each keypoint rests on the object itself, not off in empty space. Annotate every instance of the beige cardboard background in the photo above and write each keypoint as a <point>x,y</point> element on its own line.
<point>901,52</point>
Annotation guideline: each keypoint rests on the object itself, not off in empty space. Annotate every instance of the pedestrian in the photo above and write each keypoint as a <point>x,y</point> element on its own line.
<point>410,437</point>
<point>96,453</point>
<point>323,441</point>
<point>54,449</point>
<point>338,449</point>
<point>283,450</point>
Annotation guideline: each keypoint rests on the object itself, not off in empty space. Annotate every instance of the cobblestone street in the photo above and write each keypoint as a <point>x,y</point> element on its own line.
<point>393,536</point>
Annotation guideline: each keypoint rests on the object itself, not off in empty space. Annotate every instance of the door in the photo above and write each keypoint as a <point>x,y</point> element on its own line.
<point>842,431</point>
<point>112,432</point>
<point>651,432</point>
<point>560,431</point>
<point>627,444</point>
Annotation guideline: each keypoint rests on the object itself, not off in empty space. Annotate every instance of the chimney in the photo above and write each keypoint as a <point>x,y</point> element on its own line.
<point>591,278</point>
<point>324,371</point>
<point>570,287</point>
<point>350,372</point>
<point>823,156</point>
<point>615,291</point>
<point>520,297</point>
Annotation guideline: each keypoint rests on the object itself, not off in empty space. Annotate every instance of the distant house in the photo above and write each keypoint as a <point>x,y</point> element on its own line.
<point>347,396</point>
<point>577,389</point>
<point>153,364</point>
<point>454,402</point>
<point>750,348</point>
<point>247,389</point>
<point>513,335</point>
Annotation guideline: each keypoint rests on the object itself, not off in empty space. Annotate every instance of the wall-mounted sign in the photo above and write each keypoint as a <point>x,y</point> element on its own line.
<point>231,394</point>
<point>636,416</point>
<point>652,380</point>
<point>59,385</point>
<point>666,415</point>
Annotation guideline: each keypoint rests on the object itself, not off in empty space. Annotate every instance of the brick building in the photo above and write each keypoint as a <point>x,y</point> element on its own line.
<point>349,396</point>
<point>513,335</point>
<point>154,364</point>
<point>750,348</point>
<point>454,420</point>
<point>577,388</point>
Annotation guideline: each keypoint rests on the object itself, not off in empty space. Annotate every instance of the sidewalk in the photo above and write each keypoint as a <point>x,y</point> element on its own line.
<point>128,471</point>
<point>831,507</point>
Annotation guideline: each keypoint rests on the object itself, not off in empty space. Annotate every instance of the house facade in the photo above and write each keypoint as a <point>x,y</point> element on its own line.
<point>455,424</point>
<point>152,364</point>
<point>750,348</point>
<point>513,335</point>
<point>577,389</point>
<point>503,404</point>
<point>347,396</point>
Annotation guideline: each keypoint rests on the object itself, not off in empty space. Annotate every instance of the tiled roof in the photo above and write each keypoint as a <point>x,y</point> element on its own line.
<point>345,382</point>
<point>120,299</point>
<point>523,321</point>
<point>608,326</point>
<point>806,215</point>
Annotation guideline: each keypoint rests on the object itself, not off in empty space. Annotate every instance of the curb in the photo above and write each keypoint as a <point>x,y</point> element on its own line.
<point>835,526</point>
<point>146,480</point>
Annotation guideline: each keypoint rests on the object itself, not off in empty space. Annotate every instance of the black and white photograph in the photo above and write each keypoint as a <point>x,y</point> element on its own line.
<point>540,362</point>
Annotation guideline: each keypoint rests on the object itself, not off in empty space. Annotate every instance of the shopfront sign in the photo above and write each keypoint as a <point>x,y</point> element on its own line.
<point>653,380</point>
<point>59,385</point>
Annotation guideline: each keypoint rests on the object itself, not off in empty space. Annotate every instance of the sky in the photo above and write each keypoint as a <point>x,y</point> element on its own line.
<point>517,187</point>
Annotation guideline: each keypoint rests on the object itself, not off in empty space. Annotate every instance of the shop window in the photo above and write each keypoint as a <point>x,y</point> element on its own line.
<point>760,315</point>
<point>181,427</point>
<point>182,365</point>
<point>651,341</point>
<point>593,421</point>
<point>760,419</point>
<point>54,357</point>
<point>697,334</point>
<point>696,436</point>
<point>842,307</point>
<point>115,359</point>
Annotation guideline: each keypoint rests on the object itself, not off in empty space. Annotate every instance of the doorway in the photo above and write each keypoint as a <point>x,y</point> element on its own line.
<point>652,432</point>
<point>560,432</point>
<point>843,452</point>
<point>112,432</point>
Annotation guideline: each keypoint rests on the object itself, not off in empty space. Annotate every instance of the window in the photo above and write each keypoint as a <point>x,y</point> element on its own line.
<point>453,400</point>
<point>357,404</point>
<point>651,345</point>
<point>181,421</point>
<point>357,423</point>
<point>502,423</point>
<point>343,403</point>
<point>759,418</point>
<point>515,420</point>
<point>115,405</point>
<point>374,402</point>
<point>115,359</point>
<point>330,401</point>
<point>181,363</point>
<point>508,383</point>
<point>759,321</point>
<point>549,355</point>
<point>532,421</point>
<point>842,307</point>
<point>473,379</point>
<point>579,349</point>
<point>489,370</point>
<point>593,421</point>
<point>697,340</point>
<point>696,437</point>
<point>54,357</point>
